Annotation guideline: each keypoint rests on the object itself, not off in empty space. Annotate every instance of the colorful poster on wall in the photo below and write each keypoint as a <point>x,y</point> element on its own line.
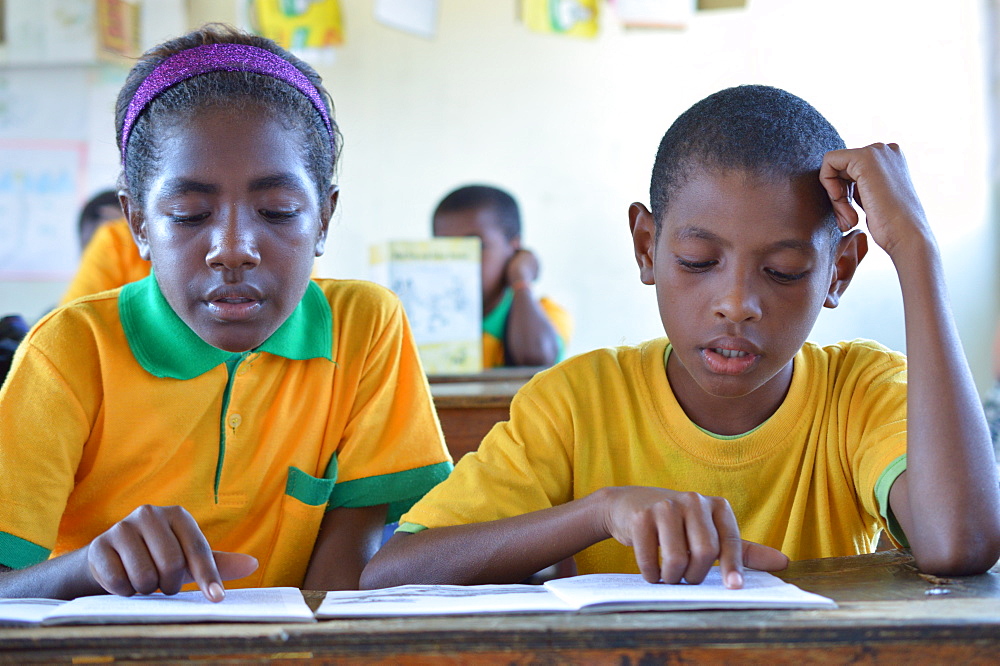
<point>299,25</point>
<point>118,27</point>
<point>576,18</point>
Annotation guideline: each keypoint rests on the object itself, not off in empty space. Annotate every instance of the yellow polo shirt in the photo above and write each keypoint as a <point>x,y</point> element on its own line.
<point>495,329</point>
<point>812,481</point>
<point>110,260</point>
<point>113,402</point>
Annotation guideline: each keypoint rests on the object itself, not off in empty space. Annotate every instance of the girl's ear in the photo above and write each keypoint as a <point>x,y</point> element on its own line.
<point>852,249</point>
<point>326,214</point>
<point>136,223</point>
<point>643,228</point>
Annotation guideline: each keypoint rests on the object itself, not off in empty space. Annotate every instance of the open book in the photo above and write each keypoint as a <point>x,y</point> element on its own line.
<point>275,604</point>
<point>594,592</point>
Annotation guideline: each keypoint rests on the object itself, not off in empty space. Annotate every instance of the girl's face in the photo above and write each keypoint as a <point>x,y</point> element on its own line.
<point>232,223</point>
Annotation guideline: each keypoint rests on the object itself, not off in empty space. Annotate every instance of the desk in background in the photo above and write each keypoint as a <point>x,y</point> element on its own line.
<point>888,613</point>
<point>469,405</point>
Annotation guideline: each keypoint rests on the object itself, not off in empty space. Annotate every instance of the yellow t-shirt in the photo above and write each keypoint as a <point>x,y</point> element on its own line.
<point>803,482</point>
<point>113,402</point>
<point>110,260</point>
<point>495,329</point>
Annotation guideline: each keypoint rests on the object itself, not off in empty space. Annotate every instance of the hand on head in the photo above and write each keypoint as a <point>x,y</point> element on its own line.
<point>162,547</point>
<point>877,178</point>
<point>679,535</point>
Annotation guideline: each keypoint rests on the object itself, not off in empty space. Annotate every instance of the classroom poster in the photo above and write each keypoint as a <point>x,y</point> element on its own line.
<point>417,17</point>
<point>299,25</point>
<point>662,14</point>
<point>576,18</point>
<point>39,202</point>
<point>118,27</point>
<point>439,283</point>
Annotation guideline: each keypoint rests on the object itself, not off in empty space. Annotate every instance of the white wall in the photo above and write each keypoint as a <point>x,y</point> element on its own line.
<point>571,127</point>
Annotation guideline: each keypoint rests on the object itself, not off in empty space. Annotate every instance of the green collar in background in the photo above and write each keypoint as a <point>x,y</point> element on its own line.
<point>495,322</point>
<point>166,347</point>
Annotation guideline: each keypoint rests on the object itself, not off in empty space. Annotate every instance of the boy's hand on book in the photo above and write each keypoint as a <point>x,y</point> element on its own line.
<point>877,178</point>
<point>162,548</point>
<point>679,535</point>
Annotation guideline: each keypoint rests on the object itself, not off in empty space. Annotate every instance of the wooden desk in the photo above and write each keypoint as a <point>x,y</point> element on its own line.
<point>467,410</point>
<point>888,613</point>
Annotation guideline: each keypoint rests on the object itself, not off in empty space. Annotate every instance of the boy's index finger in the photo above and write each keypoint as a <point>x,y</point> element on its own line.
<point>198,555</point>
<point>730,547</point>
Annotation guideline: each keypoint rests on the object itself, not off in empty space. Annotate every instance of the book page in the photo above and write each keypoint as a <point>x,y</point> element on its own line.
<point>631,592</point>
<point>273,604</point>
<point>26,611</point>
<point>441,600</point>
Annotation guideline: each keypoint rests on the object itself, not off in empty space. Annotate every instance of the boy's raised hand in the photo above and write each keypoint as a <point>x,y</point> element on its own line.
<point>522,267</point>
<point>679,535</point>
<point>162,547</point>
<point>881,185</point>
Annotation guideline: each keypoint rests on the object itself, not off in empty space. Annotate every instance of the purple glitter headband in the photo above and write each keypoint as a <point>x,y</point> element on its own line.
<point>218,58</point>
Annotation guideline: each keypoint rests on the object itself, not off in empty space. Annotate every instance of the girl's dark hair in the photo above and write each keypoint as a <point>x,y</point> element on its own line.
<point>230,89</point>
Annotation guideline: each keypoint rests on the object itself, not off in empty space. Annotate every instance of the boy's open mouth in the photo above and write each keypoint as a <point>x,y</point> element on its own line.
<point>233,304</point>
<point>728,361</point>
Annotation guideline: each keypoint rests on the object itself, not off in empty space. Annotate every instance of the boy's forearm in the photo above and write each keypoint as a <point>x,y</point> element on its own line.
<point>501,551</point>
<point>950,511</point>
<point>530,337</point>
<point>64,577</point>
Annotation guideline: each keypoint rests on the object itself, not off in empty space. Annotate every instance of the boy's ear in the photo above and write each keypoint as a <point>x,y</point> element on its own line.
<point>852,249</point>
<point>326,214</point>
<point>643,228</point>
<point>136,223</point>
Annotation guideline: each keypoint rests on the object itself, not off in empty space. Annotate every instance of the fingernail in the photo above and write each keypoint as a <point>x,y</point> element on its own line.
<point>215,592</point>
<point>734,580</point>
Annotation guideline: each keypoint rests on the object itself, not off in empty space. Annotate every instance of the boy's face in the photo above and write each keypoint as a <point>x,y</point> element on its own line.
<point>232,223</point>
<point>742,266</point>
<point>497,249</point>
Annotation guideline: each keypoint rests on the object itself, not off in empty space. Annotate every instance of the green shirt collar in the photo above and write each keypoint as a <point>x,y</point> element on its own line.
<point>495,322</point>
<point>166,347</point>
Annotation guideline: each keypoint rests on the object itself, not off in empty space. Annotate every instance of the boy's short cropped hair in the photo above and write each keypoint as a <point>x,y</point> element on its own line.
<point>473,197</point>
<point>752,128</point>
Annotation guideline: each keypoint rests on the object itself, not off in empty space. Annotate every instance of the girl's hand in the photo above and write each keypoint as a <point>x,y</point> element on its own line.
<point>880,181</point>
<point>162,547</point>
<point>679,535</point>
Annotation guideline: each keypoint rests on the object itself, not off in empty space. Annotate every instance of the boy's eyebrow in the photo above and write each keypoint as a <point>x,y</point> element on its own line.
<point>699,233</point>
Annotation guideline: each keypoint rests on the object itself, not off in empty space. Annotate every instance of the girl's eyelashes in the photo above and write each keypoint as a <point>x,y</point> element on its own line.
<point>188,220</point>
<point>785,278</point>
<point>277,215</point>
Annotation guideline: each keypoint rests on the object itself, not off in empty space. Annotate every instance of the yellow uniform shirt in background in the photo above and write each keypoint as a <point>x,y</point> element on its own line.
<point>113,402</point>
<point>495,329</point>
<point>110,260</point>
<point>803,482</point>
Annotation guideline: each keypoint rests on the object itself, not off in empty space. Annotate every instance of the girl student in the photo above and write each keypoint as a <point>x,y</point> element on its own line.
<point>227,401</point>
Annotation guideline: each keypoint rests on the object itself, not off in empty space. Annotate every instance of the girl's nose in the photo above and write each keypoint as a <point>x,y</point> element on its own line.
<point>234,245</point>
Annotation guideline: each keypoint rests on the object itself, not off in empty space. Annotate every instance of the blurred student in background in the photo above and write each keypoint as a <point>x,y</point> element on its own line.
<point>518,328</point>
<point>110,257</point>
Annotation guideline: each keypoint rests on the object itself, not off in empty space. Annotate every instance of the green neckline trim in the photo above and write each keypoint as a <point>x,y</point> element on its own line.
<point>495,321</point>
<point>167,347</point>
<point>18,553</point>
<point>399,490</point>
<point>724,438</point>
<point>882,488</point>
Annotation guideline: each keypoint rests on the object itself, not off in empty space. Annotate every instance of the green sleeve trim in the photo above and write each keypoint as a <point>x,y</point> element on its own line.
<point>400,490</point>
<point>18,553</point>
<point>307,488</point>
<point>409,528</point>
<point>882,487</point>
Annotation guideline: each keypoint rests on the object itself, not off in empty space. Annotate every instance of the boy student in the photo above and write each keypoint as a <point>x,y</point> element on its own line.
<point>518,329</point>
<point>664,457</point>
<point>225,418</point>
